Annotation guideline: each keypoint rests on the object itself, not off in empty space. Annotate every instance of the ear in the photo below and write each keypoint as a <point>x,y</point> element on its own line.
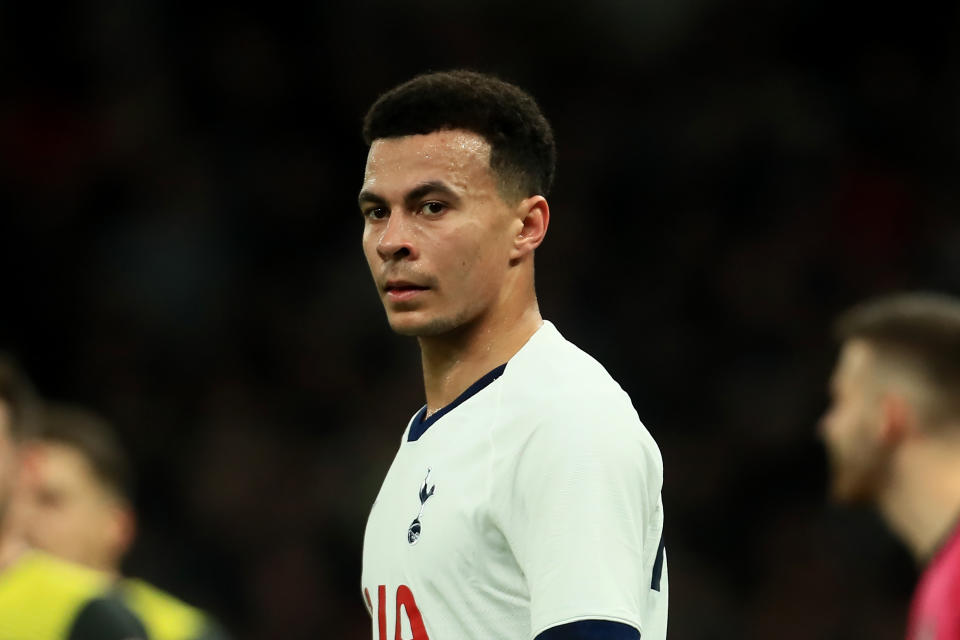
<point>121,530</point>
<point>533,213</point>
<point>898,419</point>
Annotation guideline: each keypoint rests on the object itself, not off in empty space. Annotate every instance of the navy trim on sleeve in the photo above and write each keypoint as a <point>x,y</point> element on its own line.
<point>590,630</point>
<point>658,566</point>
<point>419,425</point>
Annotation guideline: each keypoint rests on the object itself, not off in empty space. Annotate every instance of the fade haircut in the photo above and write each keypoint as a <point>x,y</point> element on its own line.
<point>917,330</point>
<point>94,439</point>
<point>523,153</point>
<point>17,394</point>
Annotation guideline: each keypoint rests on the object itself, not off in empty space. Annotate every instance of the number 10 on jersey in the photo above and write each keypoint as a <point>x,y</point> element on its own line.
<point>403,600</point>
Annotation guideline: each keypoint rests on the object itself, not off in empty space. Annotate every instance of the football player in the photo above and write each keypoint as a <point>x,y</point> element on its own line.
<point>524,500</point>
<point>42,597</point>
<point>76,505</point>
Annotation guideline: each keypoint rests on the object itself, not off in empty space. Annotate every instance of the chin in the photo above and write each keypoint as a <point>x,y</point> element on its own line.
<point>849,490</point>
<point>422,327</point>
<point>403,329</point>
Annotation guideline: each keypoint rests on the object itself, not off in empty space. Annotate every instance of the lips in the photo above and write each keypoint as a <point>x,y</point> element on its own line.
<point>403,285</point>
<point>398,290</point>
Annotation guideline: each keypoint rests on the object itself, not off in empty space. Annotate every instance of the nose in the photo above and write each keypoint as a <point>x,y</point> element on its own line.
<point>396,241</point>
<point>823,425</point>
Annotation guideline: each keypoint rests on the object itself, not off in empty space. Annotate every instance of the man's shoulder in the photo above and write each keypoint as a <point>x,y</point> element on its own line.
<point>557,378</point>
<point>42,573</point>
<point>943,572</point>
<point>106,618</point>
<point>166,616</point>
<point>933,610</point>
<point>42,596</point>
<point>559,401</point>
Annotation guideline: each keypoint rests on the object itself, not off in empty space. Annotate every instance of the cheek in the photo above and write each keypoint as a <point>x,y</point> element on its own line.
<point>369,243</point>
<point>855,440</point>
<point>841,427</point>
<point>486,259</point>
<point>94,526</point>
<point>9,469</point>
<point>479,277</point>
<point>56,519</point>
<point>79,526</point>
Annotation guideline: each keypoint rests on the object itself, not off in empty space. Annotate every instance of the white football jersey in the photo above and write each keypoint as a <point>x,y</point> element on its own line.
<point>531,501</point>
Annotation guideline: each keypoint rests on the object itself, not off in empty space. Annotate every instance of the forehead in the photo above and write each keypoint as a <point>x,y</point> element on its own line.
<point>456,156</point>
<point>856,360</point>
<point>60,460</point>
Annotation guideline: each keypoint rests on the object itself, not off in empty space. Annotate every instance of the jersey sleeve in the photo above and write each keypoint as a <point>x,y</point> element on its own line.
<point>584,517</point>
<point>106,619</point>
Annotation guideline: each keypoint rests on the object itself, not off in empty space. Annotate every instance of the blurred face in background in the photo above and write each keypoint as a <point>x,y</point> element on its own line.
<point>8,459</point>
<point>852,428</point>
<point>69,512</point>
<point>437,231</point>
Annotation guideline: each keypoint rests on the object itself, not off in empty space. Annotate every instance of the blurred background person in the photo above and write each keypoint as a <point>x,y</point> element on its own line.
<point>77,504</point>
<point>42,597</point>
<point>893,435</point>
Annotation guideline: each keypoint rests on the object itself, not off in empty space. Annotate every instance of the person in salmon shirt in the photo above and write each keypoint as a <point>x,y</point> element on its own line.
<point>892,433</point>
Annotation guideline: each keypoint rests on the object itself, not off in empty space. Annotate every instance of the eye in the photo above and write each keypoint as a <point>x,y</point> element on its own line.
<point>49,498</point>
<point>376,213</point>
<point>433,208</point>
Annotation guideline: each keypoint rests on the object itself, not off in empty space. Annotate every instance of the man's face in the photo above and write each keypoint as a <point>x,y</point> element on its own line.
<point>68,511</point>
<point>437,233</point>
<point>852,426</point>
<point>8,459</point>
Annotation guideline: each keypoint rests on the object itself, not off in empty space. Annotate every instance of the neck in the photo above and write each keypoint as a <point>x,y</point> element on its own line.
<point>454,361</point>
<point>921,500</point>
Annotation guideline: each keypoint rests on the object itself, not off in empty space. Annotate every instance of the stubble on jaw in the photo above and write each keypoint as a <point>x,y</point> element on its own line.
<point>432,328</point>
<point>857,481</point>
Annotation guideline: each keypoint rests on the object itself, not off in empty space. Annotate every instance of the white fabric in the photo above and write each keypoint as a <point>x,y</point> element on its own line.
<point>545,509</point>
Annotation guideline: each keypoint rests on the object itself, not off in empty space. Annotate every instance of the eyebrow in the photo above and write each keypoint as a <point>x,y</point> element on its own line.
<point>411,197</point>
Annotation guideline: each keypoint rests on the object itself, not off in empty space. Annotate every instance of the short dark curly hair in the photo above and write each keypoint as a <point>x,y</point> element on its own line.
<point>523,154</point>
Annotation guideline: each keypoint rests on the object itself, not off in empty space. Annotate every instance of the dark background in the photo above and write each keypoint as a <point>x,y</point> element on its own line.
<point>180,246</point>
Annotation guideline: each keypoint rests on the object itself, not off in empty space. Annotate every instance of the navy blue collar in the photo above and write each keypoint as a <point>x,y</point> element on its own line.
<point>419,425</point>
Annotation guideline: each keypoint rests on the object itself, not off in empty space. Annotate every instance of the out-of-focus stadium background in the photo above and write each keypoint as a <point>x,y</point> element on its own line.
<point>181,251</point>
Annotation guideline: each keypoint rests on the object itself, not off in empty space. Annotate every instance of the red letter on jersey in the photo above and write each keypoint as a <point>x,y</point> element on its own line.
<point>405,600</point>
<point>382,611</point>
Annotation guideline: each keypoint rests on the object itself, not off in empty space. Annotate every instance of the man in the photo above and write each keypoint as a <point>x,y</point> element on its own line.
<point>524,501</point>
<point>76,505</point>
<point>41,597</point>
<point>893,437</point>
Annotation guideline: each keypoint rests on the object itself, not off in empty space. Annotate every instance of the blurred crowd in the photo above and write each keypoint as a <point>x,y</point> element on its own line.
<point>181,246</point>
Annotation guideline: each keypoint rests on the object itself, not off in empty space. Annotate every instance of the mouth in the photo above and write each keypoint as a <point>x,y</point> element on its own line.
<point>400,290</point>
